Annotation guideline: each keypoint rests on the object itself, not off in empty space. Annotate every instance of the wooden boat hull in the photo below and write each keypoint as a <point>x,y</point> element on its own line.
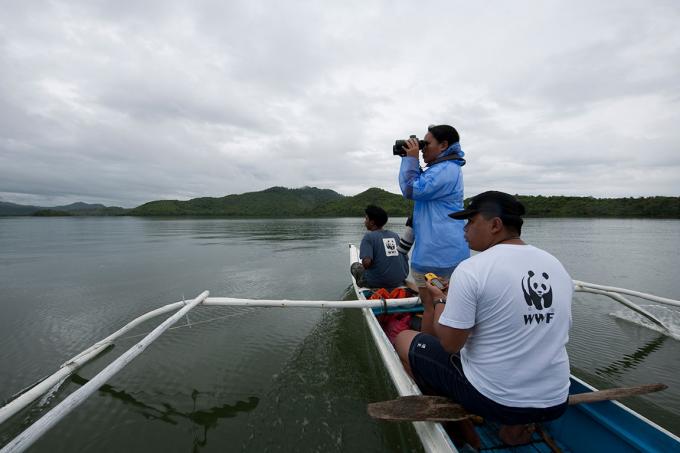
<point>602,426</point>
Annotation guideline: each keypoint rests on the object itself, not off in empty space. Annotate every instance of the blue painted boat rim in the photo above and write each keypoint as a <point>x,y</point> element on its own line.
<point>642,418</point>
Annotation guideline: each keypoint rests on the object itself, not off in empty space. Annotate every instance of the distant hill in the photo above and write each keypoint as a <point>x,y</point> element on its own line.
<point>79,206</point>
<point>315,202</point>
<point>12,209</point>
<point>51,213</point>
<point>73,209</point>
<point>394,204</point>
<point>558,206</point>
<point>272,202</point>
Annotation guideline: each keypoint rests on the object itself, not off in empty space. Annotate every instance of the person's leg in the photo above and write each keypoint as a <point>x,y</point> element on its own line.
<point>438,372</point>
<point>427,322</point>
<point>357,271</point>
<point>516,434</point>
<point>402,344</point>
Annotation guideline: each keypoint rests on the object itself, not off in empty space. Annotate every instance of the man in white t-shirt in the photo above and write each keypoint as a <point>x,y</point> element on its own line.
<point>501,332</point>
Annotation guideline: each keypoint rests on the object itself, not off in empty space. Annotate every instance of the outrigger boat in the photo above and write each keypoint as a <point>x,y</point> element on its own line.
<point>600,426</point>
<point>604,425</point>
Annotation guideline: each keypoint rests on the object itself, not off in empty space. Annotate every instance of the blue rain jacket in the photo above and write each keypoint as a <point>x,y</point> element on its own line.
<point>437,192</point>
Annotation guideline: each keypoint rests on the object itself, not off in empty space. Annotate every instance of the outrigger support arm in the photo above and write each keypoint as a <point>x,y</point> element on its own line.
<point>33,432</point>
<point>69,367</point>
<point>613,289</point>
<point>613,292</point>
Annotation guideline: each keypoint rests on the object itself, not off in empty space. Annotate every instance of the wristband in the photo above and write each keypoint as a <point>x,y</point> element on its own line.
<point>438,301</point>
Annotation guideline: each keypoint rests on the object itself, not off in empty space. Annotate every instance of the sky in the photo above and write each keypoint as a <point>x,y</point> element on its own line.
<point>126,102</point>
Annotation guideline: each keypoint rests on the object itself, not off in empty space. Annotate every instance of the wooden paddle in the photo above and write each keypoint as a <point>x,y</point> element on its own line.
<point>440,408</point>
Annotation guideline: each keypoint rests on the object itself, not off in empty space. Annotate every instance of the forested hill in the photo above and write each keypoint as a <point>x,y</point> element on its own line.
<point>651,207</point>
<point>314,202</point>
<point>394,204</point>
<point>73,209</point>
<point>272,202</point>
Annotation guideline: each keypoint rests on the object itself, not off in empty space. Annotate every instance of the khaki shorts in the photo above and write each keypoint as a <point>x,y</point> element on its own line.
<point>421,281</point>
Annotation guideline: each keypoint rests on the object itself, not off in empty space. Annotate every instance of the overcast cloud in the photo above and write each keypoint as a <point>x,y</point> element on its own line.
<point>125,102</point>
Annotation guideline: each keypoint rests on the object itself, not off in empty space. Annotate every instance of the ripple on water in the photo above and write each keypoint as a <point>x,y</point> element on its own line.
<point>319,398</point>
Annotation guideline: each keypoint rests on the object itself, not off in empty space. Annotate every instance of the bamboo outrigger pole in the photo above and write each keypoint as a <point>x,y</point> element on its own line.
<point>613,289</point>
<point>70,366</point>
<point>33,432</point>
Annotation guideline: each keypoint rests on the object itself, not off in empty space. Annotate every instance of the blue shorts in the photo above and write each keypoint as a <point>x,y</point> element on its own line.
<point>438,372</point>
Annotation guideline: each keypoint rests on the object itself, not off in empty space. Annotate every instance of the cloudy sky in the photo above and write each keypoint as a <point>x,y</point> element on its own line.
<point>122,102</point>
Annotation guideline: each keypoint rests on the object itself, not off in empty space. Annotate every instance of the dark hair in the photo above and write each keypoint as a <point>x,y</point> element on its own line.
<point>513,222</point>
<point>377,214</point>
<point>444,132</point>
<point>510,222</point>
<point>493,203</point>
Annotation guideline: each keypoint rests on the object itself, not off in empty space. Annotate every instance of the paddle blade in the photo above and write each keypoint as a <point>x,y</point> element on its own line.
<point>418,408</point>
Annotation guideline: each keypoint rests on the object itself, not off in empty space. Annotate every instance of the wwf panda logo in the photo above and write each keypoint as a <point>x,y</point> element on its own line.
<point>537,290</point>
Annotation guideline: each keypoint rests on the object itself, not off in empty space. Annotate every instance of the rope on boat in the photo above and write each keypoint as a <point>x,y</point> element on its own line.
<point>195,323</point>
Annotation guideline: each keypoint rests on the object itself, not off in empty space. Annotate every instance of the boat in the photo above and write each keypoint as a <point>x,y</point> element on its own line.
<point>586,427</point>
<point>601,426</point>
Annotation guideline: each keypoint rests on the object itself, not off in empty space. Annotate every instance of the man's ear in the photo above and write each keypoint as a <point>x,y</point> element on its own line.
<point>496,225</point>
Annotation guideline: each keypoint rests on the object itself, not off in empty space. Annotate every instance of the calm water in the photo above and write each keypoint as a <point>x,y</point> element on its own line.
<point>272,379</point>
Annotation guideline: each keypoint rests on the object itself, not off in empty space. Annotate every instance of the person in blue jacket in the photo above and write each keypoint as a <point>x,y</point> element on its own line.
<point>437,191</point>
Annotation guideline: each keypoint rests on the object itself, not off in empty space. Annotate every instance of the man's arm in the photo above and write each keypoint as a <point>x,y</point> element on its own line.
<point>452,339</point>
<point>366,251</point>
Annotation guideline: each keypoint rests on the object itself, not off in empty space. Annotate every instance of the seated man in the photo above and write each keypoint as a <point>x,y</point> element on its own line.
<point>384,260</point>
<point>501,333</point>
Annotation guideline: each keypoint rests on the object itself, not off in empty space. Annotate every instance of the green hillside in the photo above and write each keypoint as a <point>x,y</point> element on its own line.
<point>51,213</point>
<point>558,206</point>
<point>314,202</point>
<point>394,204</point>
<point>272,202</point>
<point>74,209</point>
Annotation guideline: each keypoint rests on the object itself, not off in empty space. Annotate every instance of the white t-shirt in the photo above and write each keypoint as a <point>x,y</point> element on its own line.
<point>516,299</point>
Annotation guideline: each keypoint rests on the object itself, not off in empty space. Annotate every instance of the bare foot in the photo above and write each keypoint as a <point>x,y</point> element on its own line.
<point>516,434</point>
<point>463,432</point>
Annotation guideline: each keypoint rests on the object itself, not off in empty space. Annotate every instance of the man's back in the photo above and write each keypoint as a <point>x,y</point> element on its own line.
<point>518,298</point>
<point>389,268</point>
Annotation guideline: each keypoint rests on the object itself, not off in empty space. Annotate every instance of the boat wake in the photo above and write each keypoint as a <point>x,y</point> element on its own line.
<point>668,315</point>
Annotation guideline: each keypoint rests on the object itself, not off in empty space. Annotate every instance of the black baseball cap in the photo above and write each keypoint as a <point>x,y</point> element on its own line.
<point>500,204</point>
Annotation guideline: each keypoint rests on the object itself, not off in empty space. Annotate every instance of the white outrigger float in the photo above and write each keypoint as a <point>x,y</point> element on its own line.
<point>605,425</point>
